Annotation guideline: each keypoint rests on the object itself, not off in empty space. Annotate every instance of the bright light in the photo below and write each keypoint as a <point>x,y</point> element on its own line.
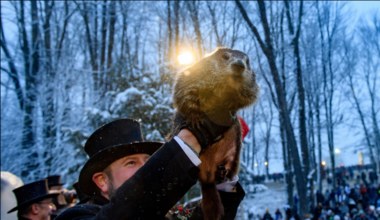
<point>323,163</point>
<point>337,151</point>
<point>256,164</point>
<point>266,163</point>
<point>185,58</point>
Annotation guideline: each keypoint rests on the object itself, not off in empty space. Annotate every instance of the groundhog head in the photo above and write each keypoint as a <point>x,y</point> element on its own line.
<point>218,85</point>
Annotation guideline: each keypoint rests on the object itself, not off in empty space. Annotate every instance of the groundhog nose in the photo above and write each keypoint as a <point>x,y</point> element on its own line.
<point>238,66</point>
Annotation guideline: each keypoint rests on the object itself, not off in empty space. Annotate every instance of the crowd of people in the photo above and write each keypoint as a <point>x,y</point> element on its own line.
<point>356,196</point>
<point>127,177</point>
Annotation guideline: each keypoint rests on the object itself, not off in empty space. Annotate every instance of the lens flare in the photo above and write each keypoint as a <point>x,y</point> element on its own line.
<point>185,58</point>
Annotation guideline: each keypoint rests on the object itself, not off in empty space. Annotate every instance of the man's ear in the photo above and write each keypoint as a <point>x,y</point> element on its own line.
<point>101,181</point>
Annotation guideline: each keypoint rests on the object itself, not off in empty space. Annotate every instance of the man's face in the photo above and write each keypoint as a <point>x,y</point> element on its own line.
<point>122,169</point>
<point>46,208</point>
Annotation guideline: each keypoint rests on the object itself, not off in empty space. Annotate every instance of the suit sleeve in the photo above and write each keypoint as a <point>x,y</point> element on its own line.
<point>150,193</point>
<point>230,201</point>
<point>155,187</point>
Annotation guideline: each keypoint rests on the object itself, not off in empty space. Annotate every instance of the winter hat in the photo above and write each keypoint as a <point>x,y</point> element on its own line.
<point>83,198</point>
<point>31,193</point>
<point>111,142</point>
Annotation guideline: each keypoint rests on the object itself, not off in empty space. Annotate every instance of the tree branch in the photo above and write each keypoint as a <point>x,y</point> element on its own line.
<point>251,26</point>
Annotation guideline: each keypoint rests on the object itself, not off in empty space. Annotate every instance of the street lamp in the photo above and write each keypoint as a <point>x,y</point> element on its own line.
<point>337,151</point>
<point>323,163</point>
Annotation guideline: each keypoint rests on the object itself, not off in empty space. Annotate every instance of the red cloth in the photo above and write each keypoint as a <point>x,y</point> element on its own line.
<point>244,127</point>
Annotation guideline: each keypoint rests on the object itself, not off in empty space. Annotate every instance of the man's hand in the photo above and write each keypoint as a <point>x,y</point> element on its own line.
<point>190,140</point>
<point>206,131</point>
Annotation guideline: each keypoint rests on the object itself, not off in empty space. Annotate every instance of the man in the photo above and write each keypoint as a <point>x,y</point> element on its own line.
<point>124,184</point>
<point>34,201</point>
<point>65,198</point>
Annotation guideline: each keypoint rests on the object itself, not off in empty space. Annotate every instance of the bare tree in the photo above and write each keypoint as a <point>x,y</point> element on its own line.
<point>12,73</point>
<point>193,7</point>
<point>296,32</point>
<point>48,102</point>
<point>268,50</point>
<point>267,117</point>
<point>369,35</point>
<point>330,24</point>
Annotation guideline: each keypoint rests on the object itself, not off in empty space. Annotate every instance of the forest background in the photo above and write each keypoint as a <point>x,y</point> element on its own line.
<point>68,67</point>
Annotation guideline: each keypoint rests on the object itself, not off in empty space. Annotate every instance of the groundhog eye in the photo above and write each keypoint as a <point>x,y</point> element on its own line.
<point>226,56</point>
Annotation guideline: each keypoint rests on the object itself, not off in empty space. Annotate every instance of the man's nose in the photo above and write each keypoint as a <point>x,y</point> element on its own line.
<point>53,207</point>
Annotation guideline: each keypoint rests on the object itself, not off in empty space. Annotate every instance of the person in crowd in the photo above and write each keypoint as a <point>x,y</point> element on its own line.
<point>82,197</point>
<point>320,197</point>
<point>278,215</point>
<point>34,201</point>
<point>291,214</point>
<point>317,212</point>
<point>373,177</point>
<point>267,215</point>
<point>371,213</point>
<point>65,198</point>
<point>129,178</point>
<point>9,182</point>
<point>364,178</point>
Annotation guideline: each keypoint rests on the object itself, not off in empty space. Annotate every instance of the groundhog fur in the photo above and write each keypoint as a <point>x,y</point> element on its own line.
<point>215,87</point>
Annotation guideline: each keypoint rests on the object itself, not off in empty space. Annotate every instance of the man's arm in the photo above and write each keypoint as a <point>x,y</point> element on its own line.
<point>154,188</point>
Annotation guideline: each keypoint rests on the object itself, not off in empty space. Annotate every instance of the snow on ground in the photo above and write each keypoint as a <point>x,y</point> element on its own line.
<point>259,197</point>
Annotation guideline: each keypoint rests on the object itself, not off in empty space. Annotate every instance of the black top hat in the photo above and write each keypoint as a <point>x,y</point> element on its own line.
<point>54,180</point>
<point>83,198</point>
<point>111,142</point>
<point>31,193</point>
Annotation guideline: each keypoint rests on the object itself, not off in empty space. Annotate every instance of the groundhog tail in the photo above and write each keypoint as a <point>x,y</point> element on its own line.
<point>212,207</point>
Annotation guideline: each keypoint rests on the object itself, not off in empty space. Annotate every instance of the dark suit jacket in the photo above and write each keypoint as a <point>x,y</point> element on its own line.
<point>149,194</point>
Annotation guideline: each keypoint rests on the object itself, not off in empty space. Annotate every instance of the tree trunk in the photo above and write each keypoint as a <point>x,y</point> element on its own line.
<point>31,65</point>
<point>176,27</point>
<point>193,9</point>
<point>328,89</point>
<point>48,101</point>
<point>287,168</point>
<point>111,73</point>
<point>300,87</point>
<point>13,73</point>
<point>214,22</point>
<point>319,138</point>
<point>268,50</point>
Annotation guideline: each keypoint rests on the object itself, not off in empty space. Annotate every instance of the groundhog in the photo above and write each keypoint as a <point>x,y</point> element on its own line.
<point>216,87</point>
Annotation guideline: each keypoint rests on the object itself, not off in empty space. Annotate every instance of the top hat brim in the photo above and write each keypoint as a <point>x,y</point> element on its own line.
<point>56,184</point>
<point>35,200</point>
<point>102,159</point>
